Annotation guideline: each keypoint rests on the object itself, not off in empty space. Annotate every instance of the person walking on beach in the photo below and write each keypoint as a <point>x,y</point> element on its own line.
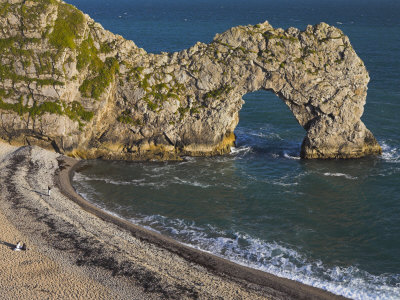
<point>48,191</point>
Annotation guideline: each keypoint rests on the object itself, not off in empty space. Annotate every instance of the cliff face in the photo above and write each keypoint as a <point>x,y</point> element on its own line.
<point>68,84</point>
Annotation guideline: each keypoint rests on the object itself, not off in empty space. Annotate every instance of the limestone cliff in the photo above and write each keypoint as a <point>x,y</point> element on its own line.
<point>68,84</point>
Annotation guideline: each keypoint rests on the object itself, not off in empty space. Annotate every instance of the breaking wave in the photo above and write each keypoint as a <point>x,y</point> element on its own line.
<point>287,155</point>
<point>390,153</point>
<point>243,150</point>
<point>277,259</point>
<point>340,175</point>
<point>274,257</point>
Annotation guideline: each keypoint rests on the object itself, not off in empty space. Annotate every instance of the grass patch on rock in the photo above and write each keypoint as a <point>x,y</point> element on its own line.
<point>74,111</point>
<point>217,93</point>
<point>125,118</point>
<point>67,27</point>
<point>104,74</point>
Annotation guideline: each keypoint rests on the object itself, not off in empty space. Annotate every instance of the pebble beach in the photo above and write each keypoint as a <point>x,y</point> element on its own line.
<point>77,251</point>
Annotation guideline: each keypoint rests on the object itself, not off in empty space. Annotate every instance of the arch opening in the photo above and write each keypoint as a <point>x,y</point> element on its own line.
<point>267,126</point>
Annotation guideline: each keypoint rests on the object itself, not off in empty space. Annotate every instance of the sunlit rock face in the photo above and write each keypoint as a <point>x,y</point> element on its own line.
<point>68,84</point>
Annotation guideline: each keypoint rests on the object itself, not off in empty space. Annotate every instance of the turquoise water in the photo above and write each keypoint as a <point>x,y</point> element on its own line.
<point>330,224</point>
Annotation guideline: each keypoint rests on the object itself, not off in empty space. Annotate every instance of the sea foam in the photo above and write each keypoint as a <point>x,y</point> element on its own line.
<point>390,153</point>
<point>240,150</point>
<point>277,259</point>
<point>340,175</point>
<point>270,256</point>
<point>287,155</point>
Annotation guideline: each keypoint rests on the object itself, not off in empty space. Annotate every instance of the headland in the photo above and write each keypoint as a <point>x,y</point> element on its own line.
<point>69,85</point>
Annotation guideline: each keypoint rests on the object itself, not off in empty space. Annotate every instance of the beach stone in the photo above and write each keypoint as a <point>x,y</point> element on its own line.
<point>105,90</point>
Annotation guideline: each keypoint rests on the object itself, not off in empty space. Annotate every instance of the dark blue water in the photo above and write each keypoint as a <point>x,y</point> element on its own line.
<point>330,224</point>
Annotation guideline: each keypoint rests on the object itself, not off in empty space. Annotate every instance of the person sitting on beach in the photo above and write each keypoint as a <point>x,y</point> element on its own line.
<point>20,247</point>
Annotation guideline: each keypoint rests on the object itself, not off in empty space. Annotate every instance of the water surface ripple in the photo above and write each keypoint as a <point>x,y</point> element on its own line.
<point>331,224</point>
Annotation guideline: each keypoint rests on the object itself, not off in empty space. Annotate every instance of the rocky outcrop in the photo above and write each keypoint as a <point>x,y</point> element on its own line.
<point>68,84</point>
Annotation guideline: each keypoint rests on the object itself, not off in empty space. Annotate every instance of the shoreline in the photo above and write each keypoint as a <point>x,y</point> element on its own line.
<point>168,269</point>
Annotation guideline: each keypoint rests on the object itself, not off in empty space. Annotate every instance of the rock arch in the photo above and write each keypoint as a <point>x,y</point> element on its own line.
<point>105,97</point>
<point>316,73</point>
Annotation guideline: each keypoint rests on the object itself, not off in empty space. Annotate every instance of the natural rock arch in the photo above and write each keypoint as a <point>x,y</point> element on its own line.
<point>105,97</point>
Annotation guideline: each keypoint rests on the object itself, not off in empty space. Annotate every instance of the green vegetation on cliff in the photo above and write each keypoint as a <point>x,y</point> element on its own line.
<point>31,12</point>
<point>104,75</point>
<point>217,93</point>
<point>7,72</point>
<point>127,119</point>
<point>87,54</point>
<point>74,110</point>
<point>32,66</point>
<point>67,27</point>
<point>102,72</point>
<point>159,92</point>
<point>273,35</point>
<point>4,8</point>
<point>35,110</point>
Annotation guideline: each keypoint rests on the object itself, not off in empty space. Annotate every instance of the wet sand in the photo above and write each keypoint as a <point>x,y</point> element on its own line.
<point>77,251</point>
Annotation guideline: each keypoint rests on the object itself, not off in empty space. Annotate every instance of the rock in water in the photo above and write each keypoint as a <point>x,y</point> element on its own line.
<point>68,84</point>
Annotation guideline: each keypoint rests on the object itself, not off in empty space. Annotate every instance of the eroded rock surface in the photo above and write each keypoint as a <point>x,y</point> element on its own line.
<point>68,84</point>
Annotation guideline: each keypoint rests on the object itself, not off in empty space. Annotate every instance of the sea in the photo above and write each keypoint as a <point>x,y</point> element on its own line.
<point>331,224</point>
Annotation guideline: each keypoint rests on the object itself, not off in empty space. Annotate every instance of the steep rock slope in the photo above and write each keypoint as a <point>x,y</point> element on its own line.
<point>68,84</point>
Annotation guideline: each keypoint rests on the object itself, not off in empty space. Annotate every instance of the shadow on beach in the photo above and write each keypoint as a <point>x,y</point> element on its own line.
<point>9,245</point>
<point>37,192</point>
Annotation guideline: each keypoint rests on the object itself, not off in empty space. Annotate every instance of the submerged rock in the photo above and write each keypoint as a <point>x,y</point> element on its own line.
<point>68,84</point>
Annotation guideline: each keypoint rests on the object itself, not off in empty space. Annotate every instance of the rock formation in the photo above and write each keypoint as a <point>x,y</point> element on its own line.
<point>68,84</point>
